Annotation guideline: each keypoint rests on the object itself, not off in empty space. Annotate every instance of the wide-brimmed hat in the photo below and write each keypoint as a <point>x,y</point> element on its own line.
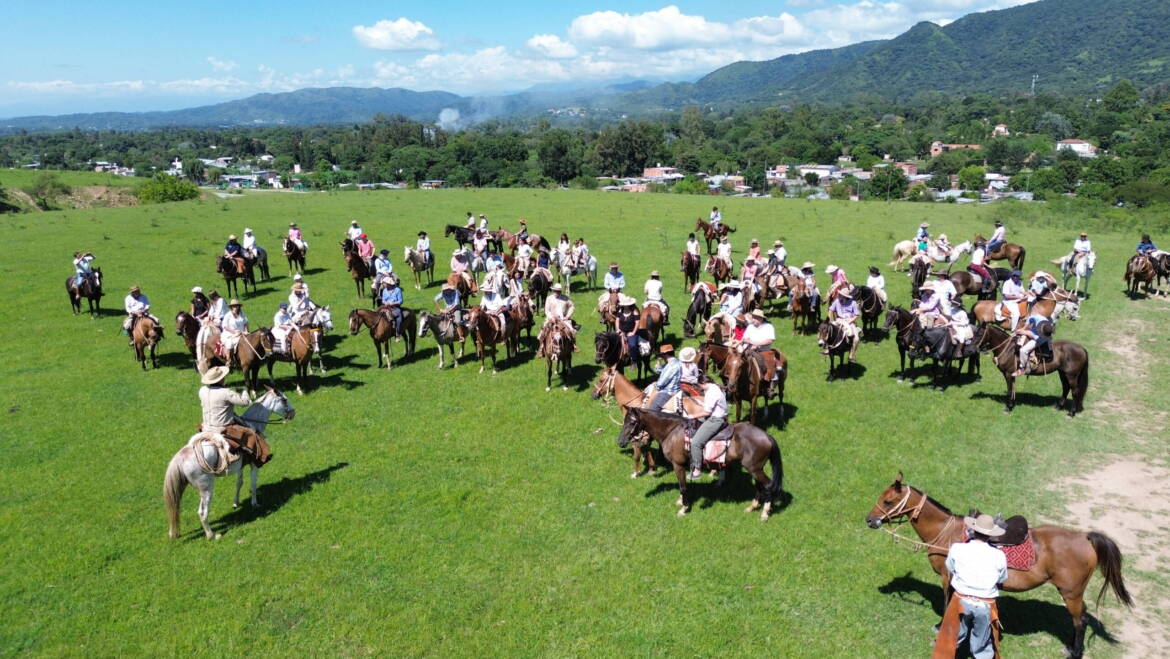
<point>626,300</point>
<point>831,269</point>
<point>687,355</point>
<point>292,224</point>
<point>653,273</point>
<point>457,252</point>
<point>1084,235</point>
<point>741,320</point>
<point>422,233</point>
<point>755,241</point>
<point>873,269</point>
<point>214,375</point>
<point>613,265</point>
<point>298,277</point>
<point>756,313</point>
<point>778,243</point>
<point>845,293</point>
<point>524,221</point>
<point>247,230</point>
<point>135,289</point>
<point>556,287</point>
<point>928,286</point>
<point>808,264</point>
<point>730,284</point>
<point>232,237</point>
<point>984,524</point>
<point>924,225</point>
<point>942,236</point>
<point>665,349</point>
<point>354,222</point>
<point>197,289</point>
<point>234,303</point>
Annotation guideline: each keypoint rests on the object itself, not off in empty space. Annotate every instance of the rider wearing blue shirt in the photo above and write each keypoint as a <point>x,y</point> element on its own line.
<point>392,303</point>
<point>1146,246</point>
<point>669,378</point>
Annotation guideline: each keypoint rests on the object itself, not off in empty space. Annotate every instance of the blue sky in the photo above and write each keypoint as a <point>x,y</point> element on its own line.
<point>61,57</point>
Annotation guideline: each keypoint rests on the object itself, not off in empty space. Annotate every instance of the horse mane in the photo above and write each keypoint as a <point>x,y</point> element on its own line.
<point>932,500</point>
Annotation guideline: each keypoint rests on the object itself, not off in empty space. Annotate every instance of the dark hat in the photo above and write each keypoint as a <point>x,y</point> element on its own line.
<point>384,252</point>
<point>283,305</point>
<point>1017,273</point>
<point>998,223</point>
<point>873,270</point>
<point>422,233</point>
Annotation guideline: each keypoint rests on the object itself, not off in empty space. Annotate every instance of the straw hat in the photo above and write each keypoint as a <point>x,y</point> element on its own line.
<point>135,289</point>
<point>653,273</point>
<point>197,289</point>
<point>292,224</point>
<point>687,355</point>
<point>247,230</point>
<point>298,277</point>
<point>613,266</point>
<point>845,294</point>
<point>756,313</point>
<point>778,243</point>
<point>626,300</point>
<point>215,375</point>
<point>457,252</point>
<point>353,222</point>
<point>808,264</point>
<point>831,269</point>
<point>234,303</point>
<point>924,225</point>
<point>556,288</point>
<point>232,237</point>
<point>1084,235</point>
<point>984,524</point>
<point>666,349</point>
<point>928,286</point>
<point>755,242</point>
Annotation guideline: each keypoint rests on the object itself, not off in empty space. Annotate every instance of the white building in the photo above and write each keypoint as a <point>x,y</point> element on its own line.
<point>1080,147</point>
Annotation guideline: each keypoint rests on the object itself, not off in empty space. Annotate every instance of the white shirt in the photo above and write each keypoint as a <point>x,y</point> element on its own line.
<point>780,253</point>
<point>483,223</point>
<point>563,247</point>
<point>959,318</point>
<point>723,251</point>
<point>693,247</point>
<point>235,323</point>
<point>297,304</point>
<point>423,244</point>
<point>1082,245</point>
<point>999,233</point>
<point>353,232</point>
<point>139,305</point>
<point>1012,290</point>
<point>733,304</point>
<point>249,242</point>
<point>876,281</point>
<point>492,302</point>
<point>977,256</point>
<point>716,216</point>
<point>282,317</point>
<point>714,401</point>
<point>761,337</point>
<point>217,309</point>
<point>83,265</point>
<point>977,569</point>
<point>945,288</point>
<point>653,290</point>
<point>524,251</point>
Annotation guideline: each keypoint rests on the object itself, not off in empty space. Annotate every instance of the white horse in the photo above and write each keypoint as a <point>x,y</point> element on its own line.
<point>903,251</point>
<point>1082,270</point>
<point>949,257</point>
<point>569,268</point>
<point>185,468</point>
<point>322,319</point>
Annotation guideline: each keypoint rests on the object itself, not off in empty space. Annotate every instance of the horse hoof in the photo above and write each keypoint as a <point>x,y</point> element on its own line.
<point>564,388</point>
<point>481,369</point>
<point>682,512</point>
<point>764,517</point>
<point>217,536</point>
<point>679,502</point>
<point>547,389</point>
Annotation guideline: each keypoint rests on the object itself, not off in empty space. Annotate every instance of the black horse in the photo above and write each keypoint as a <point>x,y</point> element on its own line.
<point>463,235</point>
<point>698,312</point>
<point>608,351</point>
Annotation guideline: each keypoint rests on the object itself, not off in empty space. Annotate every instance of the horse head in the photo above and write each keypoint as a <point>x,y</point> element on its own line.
<point>824,334</point>
<point>630,427</point>
<point>891,504</point>
<point>277,403</point>
<point>605,383</point>
<point>323,318</point>
<point>355,322</point>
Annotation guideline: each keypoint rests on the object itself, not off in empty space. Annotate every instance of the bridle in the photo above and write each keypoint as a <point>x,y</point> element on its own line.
<point>284,417</point>
<point>912,513</point>
<point>889,515</point>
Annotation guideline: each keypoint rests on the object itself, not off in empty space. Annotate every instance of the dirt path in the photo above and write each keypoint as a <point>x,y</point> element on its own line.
<point>1128,497</point>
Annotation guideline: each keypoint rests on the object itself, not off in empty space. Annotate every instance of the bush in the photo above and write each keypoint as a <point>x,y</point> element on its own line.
<point>690,185</point>
<point>163,188</point>
<point>1142,193</point>
<point>1095,190</point>
<point>584,182</point>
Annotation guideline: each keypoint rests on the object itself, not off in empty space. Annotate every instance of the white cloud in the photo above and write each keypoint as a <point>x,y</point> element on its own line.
<point>401,34</point>
<point>220,65</point>
<point>662,29</point>
<point>486,70</point>
<point>550,45</point>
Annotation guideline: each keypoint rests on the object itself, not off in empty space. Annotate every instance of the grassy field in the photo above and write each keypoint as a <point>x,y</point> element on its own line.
<point>19,178</point>
<point>417,512</point>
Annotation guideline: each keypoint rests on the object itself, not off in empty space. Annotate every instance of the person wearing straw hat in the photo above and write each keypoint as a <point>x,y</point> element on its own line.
<point>1081,249</point>
<point>777,256</point>
<point>249,244</point>
<point>450,303</point>
<point>754,250</point>
<point>653,291</point>
<point>977,571</point>
<point>383,266</point>
<point>234,251</point>
<point>714,418</point>
<point>218,402</point>
<point>233,327</point>
<point>479,243</point>
<point>843,313</point>
<point>296,238</point>
<point>758,336</point>
<point>299,302</point>
<point>391,303</point>
<point>669,378</point>
<point>626,322</point>
<point>810,286</point>
<point>460,265</point>
<point>613,282</point>
<point>723,252</point>
<point>494,306</point>
<point>82,267</point>
<point>483,222</point>
<point>840,281</point>
<point>689,379</point>
<point>199,303</point>
<point>353,231</point>
<point>930,308</point>
<point>558,310</point>
<point>298,278</point>
<point>522,232</point>
<point>922,235</point>
<point>730,306</point>
<point>282,324</point>
<point>136,305</point>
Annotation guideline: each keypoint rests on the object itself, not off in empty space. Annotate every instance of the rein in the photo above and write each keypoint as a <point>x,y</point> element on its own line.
<point>911,515</point>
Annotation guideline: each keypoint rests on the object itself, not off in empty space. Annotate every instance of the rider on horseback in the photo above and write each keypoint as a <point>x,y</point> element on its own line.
<point>730,305</point>
<point>495,278</point>
<point>627,324</point>
<point>300,305</point>
<point>1035,335</point>
<point>392,304</point>
<point>960,325</point>
<point>383,267</point>
<point>295,237</point>
<point>777,256</point>
<point>876,282</point>
<point>249,244</point>
<point>137,306</point>
<point>723,252</point>
<point>282,324</point>
<point>452,304</point>
<point>1013,293</point>
<point>810,285</point>
<point>843,313</point>
<point>216,308</point>
<point>714,418</point>
<point>557,309</point>
<point>542,263</point>
<point>365,249</point>
<point>669,378</point>
<point>840,281</point>
<point>923,235</point>
<point>614,282</point>
<point>459,266</point>
<point>759,337</point>
<point>653,291</point>
<point>234,251</point>
<point>716,220</point>
<point>82,267</point>
<point>354,231</point>
<point>233,327</point>
<point>423,247</point>
<point>523,257</point>
<point>200,305</point>
<point>522,234</point>
<point>1081,249</point>
<point>754,250</point>
<point>931,308</point>
<point>998,237</point>
<point>218,405</point>
<point>978,254</point>
<point>495,307</point>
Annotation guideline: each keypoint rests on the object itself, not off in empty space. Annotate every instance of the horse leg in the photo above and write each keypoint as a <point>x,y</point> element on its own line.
<point>205,509</point>
<point>548,380</point>
<point>1011,393</point>
<point>1075,603</point>
<point>638,461</point>
<point>1065,387</point>
<point>762,483</point>
<point>239,485</point>
<point>680,472</point>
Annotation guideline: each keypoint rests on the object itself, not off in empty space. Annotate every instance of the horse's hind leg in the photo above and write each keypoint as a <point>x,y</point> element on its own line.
<point>1075,603</point>
<point>1065,387</point>
<point>239,485</point>
<point>205,509</point>
<point>255,477</point>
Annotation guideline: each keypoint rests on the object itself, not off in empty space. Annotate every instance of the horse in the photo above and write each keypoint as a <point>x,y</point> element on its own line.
<point>709,232</point>
<point>302,343</point>
<point>320,319</point>
<point>650,325</point>
<point>700,308</point>
<point>446,332</point>
<point>906,324</point>
<point>252,350</point>
<point>806,313</point>
<point>1139,270</point>
<point>919,269</point>
<point>628,395</point>
<point>466,290</point>
<point>568,269</point>
<point>750,446</point>
<point>90,289</point>
<point>521,315</point>
<point>536,241</point>
<point>948,257</point>
<point>719,269</point>
<point>488,334</point>
<point>356,266</point>
<point>871,307</point>
<point>296,256</point>
<point>902,251</point>
<point>691,267</point>
<point>1070,360</point>
<point>227,267</point>
<point>966,284</point>
<point>832,338</point>
<point>1012,253</point>
<point>260,261</point>
<point>610,350</point>
<point>382,331</point>
<point>200,471</point>
<point>923,345</point>
<point>538,288</point>
<point>463,235</point>
<point>1053,304</point>
<point>744,375</point>
<point>187,326</point>
<point>1082,268</point>
<point>557,348</point>
<point>419,264</point>
<point>1064,557</point>
<point>144,337</point>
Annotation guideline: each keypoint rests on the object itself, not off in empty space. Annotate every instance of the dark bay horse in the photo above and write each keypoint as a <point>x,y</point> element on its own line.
<point>1065,557</point>
<point>296,257</point>
<point>1012,253</point>
<point>750,446</point>
<point>709,232</point>
<point>650,325</point>
<point>187,326</point>
<point>538,288</point>
<point>301,346</point>
<point>1070,360</point>
<point>446,332</point>
<point>691,267</point>
<point>356,266</point>
<point>745,378</point>
<point>1138,271</point>
<point>382,331</point>
<point>557,349</point>
<point>718,269</point>
<point>145,337</point>
<point>487,335</point>
<point>90,289</point>
<point>253,350</point>
<point>228,269</point>
<point>918,272</point>
<point>628,395</point>
<point>700,308</point>
<point>906,325</point>
<point>871,307</point>
<point>463,235</point>
<point>833,338</point>
<point>610,350</point>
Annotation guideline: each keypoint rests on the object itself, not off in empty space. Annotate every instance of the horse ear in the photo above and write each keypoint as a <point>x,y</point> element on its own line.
<point>898,481</point>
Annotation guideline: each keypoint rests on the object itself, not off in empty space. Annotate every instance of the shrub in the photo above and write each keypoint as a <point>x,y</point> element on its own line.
<point>690,185</point>
<point>163,188</point>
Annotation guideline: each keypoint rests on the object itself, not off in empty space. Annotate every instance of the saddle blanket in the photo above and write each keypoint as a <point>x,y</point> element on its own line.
<point>1021,556</point>
<point>714,451</point>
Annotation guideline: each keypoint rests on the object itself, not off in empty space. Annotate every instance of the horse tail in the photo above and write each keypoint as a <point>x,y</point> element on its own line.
<point>173,485</point>
<point>1082,381</point>
<point>730,228</point>
<point>1020,263</point>
<point>544,243</point>
<point>1109,562</point>
<point>776,485</point>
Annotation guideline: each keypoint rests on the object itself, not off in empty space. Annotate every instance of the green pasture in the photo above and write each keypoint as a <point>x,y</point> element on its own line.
<point>416,512</point>
<point>20,178</point>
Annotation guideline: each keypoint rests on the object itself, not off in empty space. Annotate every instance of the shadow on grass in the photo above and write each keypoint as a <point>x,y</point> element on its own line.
<point>182,360</point>
<point>1021,617</point>
<point>1023,398</point>
<point>314,271</point>
<point>272,496</point>
<point>846,371</point>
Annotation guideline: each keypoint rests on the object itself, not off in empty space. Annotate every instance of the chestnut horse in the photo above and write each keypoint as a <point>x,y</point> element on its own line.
<point>718,268</point>
<point>1012,253</point>
<point>488,334</point>
<point>1053,305</point>
<point>691,266</point>
<point>187,326</point>
<point>90,289</point>
<point>1065,557</point>
<point>382,331</point>
<point>628,395</point>
<point>744,375</point>
<point>144,337</point>
<point>806,314</point>
<point>1139,270</point>
<point>750,446</point>
<point>356,266</point>
<point>650,325</point>
<point>1069,359</point>
<point>559,344</point>
<point>301,345</point>
<point>709,232</point>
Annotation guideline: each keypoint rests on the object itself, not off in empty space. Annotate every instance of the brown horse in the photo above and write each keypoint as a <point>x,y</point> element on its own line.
<point>536,241</point>
<point>1065,557</point>
<point>301,345</point>
<point>90,289</point>
<point>382,331</point>
<point>1012,253</point>
<point>356,266</point>
<point>488,334</point>
<point>606,310</point>
<point>650,325</point>
<point>187,326</point>
<point>418,264</point>
<point>691,266</point>
<point>521,315</point>
<point>918,273</point>
<point>806,312</point>
<point>144,337</point>
<point>1053,305</point>
<point>699,309</point>
<point>253,350</point>
<point>628,395</point>
<point>966,284</point>
<point>227,267</point>
<point>1139,270</point>
<point>718,268</point>
<point>465,289</point>
<point>538,288</point>
<point>709,232</point>
<point>1069,359</point>
<point>559,344</point>
<point>750,446</point>
<point>746,381</point>
<point>296,257</point>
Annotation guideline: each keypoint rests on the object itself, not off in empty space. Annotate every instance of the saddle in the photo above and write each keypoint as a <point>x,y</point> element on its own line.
<point>1002,313</point>
<point>248,443</point>
<point>716,449</point>
<point>1016,543</point>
